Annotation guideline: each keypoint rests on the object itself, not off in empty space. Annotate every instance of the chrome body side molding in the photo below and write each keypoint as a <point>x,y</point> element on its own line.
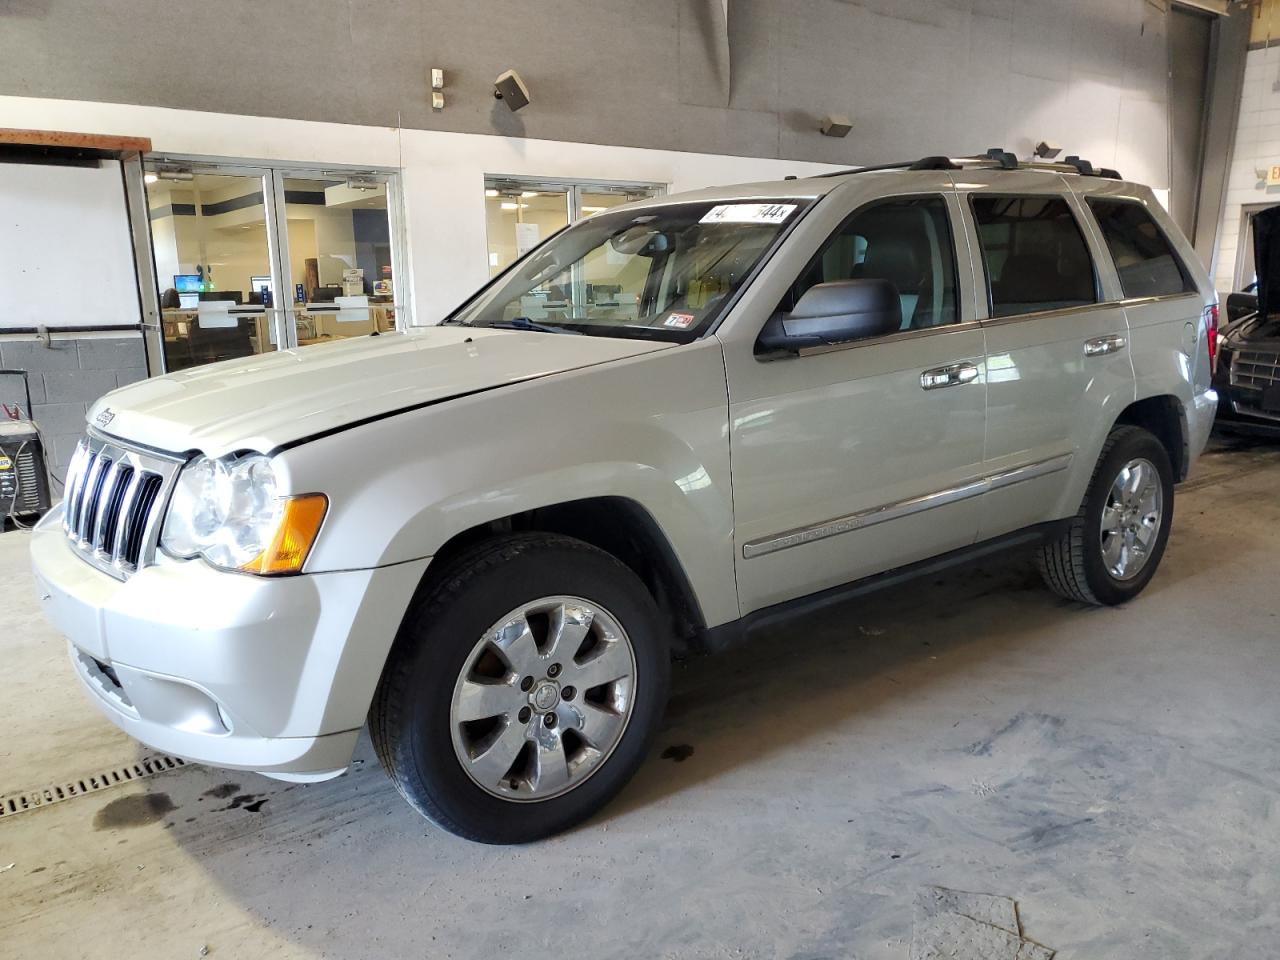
<point>904,508</point>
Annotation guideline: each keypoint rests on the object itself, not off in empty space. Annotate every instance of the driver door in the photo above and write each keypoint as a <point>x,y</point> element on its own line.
<point>853,459</point>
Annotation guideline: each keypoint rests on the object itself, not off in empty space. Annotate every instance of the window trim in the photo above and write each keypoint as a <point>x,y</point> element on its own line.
<point>1188,281</point>
<point>980,257</point>
<point>952,234</point>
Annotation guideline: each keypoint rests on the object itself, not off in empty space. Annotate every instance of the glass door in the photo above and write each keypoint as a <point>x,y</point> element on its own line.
<point>251,259</point>
<point>519,215</point>
<point>212,238</point>
<point>338,254</point>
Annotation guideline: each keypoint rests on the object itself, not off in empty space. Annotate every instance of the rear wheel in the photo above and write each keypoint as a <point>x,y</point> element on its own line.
<point>1113,545</point>
<point>524,689</point>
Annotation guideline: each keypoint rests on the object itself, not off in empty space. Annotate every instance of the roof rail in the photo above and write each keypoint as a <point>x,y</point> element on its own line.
<point>997,158</point>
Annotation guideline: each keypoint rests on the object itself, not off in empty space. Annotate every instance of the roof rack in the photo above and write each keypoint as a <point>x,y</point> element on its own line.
<point>997,158</point>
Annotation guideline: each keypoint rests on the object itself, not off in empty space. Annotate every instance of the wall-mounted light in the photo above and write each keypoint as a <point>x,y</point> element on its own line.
<point>149,178</point>
<point>836,125</point>
<point>1048,149</point>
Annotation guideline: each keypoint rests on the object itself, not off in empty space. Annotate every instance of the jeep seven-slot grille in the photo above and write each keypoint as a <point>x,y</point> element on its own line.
<point>1255,368</point>
<point>112,504</point>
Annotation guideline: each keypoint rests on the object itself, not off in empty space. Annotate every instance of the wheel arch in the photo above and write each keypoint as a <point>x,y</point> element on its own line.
<point>1165,417</point>
<point>620,526</point>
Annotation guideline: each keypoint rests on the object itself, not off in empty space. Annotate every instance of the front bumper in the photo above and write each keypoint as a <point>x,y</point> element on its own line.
<point>273,675</point>
<point>1239,412</point>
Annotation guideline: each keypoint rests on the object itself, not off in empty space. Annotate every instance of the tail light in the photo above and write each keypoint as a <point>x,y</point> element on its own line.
<point>1211,335</point>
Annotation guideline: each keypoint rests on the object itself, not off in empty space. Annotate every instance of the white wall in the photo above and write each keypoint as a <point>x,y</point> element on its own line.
<point>443,173</point>
<point>1257,146</point>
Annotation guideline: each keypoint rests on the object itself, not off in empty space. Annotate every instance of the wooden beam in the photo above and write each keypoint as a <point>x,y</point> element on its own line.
<point>83,141</point>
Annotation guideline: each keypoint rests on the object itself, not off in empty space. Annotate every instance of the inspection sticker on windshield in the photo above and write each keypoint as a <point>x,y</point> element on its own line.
<point>748,213</point>
<point>681,321</point>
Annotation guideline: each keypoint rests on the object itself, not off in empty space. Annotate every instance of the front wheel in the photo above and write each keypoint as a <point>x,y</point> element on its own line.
<point>1113,545</point>
<point>524,689</point>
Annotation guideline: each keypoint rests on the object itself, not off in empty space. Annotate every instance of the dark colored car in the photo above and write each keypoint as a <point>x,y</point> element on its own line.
<point>1247,374</point>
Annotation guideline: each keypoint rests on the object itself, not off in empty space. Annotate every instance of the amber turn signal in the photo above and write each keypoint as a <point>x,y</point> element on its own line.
<point>299,525</point>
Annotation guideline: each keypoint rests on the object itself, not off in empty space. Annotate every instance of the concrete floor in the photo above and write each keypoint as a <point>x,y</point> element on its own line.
<point>1115,771</point>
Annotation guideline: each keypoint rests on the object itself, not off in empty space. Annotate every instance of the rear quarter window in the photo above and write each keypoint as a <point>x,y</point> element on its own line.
<point>1145,260</point>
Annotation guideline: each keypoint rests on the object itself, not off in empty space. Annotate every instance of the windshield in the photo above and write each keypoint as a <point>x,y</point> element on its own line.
<point>655,272</point>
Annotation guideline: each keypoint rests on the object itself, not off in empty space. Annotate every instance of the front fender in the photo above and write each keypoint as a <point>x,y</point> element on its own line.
<point>651,429</point>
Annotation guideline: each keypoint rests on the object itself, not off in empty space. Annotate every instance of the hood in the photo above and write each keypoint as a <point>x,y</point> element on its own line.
<point>1266,258</point>
<point>264,402</point>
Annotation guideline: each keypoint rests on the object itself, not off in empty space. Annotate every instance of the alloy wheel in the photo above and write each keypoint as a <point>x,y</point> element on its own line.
<point>1131,518</point>
<point>543,699</point>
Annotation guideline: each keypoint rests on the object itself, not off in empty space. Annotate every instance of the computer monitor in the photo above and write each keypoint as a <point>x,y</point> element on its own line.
<point>325,294</point>
<point>186,282</point>
<point>257,283</point>
<point>188,301</point>
<point>236,296</point>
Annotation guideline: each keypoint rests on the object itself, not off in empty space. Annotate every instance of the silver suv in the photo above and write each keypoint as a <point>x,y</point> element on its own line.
<point>667,424</point>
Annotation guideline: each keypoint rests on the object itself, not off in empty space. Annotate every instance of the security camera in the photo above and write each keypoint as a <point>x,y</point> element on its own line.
<point>510,89</point>
<point>1048,149</point>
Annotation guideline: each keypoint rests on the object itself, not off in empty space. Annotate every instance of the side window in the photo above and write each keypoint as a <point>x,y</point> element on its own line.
<point>1035,255</point>
<point>1145,261</point>
<point>905,241</point>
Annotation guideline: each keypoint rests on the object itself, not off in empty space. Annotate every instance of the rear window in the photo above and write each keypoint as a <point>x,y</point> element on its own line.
<point>1144,258</point>
<point>1035,255</point>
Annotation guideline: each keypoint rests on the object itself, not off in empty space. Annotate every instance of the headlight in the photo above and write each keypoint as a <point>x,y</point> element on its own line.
<point>228,512</point>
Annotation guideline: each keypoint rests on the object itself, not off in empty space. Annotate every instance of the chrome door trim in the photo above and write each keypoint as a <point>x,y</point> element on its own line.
<point>904,508</point>
<point>1159,298</point>
<point>876,341</point>
<point>1052,314</point>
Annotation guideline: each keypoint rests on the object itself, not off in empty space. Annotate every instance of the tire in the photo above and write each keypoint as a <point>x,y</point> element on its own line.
<point>447,636</point>
<point>1073,564</point>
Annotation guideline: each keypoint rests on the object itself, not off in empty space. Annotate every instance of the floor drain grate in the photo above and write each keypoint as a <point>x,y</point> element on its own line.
<point>44,796</point>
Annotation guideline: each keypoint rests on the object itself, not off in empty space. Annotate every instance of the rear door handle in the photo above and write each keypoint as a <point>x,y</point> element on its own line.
<point>1101,346</point>
<point>951,375</point>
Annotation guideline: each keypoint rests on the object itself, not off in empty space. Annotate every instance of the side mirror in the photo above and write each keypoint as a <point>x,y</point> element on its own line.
<point>835,312</point>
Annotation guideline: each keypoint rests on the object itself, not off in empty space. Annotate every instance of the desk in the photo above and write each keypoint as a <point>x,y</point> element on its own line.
<point>187,344</point>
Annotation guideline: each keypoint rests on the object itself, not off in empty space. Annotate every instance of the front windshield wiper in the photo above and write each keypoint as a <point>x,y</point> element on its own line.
<point>524,323</point>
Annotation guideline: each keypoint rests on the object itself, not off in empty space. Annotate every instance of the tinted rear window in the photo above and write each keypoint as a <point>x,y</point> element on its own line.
<point>1034,253</point>
<point>1144,258</point>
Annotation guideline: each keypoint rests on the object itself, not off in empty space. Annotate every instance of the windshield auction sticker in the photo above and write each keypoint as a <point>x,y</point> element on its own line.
<point>681,321</point>
<point>748,213</point>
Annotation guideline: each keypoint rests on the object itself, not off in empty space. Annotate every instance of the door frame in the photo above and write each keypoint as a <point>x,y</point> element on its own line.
<point>272,174</point>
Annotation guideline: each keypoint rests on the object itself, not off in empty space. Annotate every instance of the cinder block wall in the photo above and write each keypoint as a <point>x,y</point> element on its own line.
<point>66,377</point>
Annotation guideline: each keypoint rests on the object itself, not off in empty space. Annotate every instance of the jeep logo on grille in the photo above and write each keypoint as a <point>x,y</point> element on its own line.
<point>105,417</point>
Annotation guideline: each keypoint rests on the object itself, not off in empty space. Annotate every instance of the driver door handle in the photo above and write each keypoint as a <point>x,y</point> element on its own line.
<point>952,375</point>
